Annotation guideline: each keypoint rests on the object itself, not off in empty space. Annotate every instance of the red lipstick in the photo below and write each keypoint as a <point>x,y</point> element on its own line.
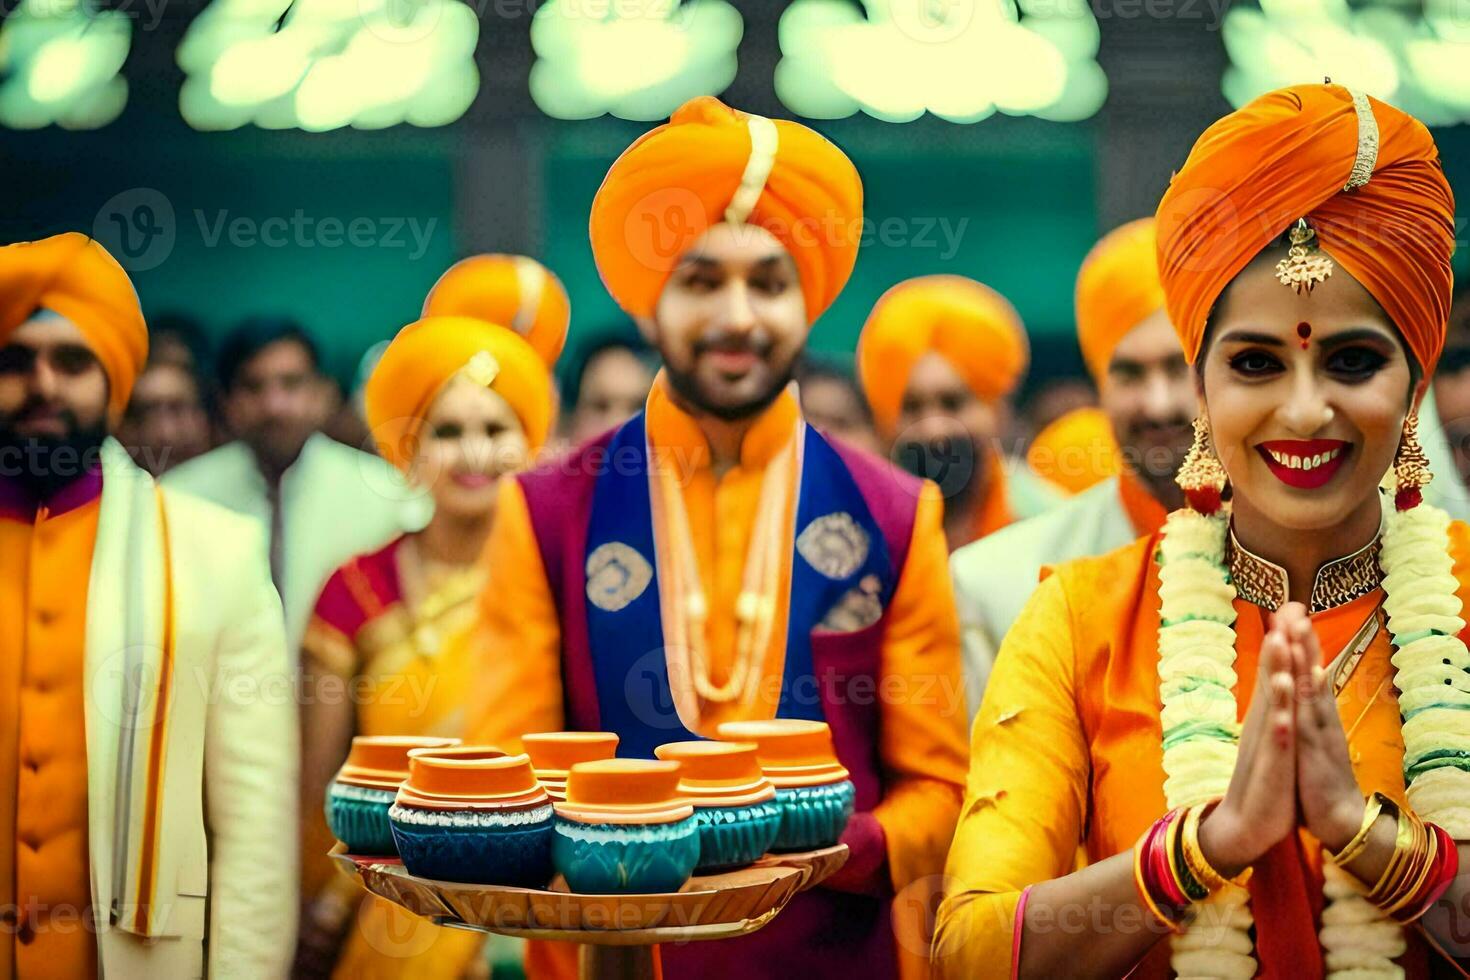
<point>1305,464</point>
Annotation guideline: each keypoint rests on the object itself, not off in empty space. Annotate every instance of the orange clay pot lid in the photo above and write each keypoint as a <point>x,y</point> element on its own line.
<point>556,752</point>
<point>381,761</point>
<point>470,777</point>
<point>631,791</point>
<point>792,751</point>
<point>718,773</point>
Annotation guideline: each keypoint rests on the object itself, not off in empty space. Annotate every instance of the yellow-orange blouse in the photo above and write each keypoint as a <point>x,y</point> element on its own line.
<point>1066,749</point>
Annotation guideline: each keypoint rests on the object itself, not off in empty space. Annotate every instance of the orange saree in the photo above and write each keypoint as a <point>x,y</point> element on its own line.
<point>1067,749</point>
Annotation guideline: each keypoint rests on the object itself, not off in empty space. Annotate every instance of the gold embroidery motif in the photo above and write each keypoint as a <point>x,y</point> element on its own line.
<point>1265,584</point>
<point>834,544</point>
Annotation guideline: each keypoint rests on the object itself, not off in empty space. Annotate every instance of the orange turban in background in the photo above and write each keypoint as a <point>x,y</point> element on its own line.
<point>711,163</point>
<point>429,353</point>
<point>73,276</point>
<point>970,324</point>
<point>512,290</point>
<point>1289,155</point>
<point>1117,289</point>
<point>1076,450</point>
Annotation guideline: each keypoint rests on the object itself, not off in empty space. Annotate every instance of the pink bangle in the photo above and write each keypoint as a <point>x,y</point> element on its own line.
<point>1016,934</point>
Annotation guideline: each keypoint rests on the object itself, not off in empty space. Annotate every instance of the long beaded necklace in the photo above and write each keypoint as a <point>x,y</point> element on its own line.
<point>682,593</point>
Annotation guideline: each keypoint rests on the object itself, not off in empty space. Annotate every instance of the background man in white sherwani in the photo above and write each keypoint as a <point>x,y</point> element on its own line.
<point>147,723</point>
<point>319,502</point>
<point>1147,392</point>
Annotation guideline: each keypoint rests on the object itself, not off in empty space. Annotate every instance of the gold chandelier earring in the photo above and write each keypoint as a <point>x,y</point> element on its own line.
<point>1410,467</point>
<point>1202,476</point>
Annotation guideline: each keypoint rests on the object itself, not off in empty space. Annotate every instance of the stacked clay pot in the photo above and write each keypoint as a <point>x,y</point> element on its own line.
<point>473,814</point>
<point>554,753</point>
<point>812,787</point>
<point>623,828</point>
<point>734,803</point>
<point>360,795</point>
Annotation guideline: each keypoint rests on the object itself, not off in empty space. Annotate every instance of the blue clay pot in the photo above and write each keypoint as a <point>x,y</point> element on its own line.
<point>482,847</point>
<point>358,817</point>
<point>625,859</point>
<point>813,817</point>
<point>733,836</point>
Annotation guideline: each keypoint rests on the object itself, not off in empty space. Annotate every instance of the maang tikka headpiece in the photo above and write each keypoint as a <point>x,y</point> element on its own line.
<point>1305,264</point>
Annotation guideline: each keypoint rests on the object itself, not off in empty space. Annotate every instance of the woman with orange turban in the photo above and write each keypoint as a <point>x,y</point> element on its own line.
<point>1253,720</point>
<point>456,403</point>
<point>512,290</point>
<point>937,359</point>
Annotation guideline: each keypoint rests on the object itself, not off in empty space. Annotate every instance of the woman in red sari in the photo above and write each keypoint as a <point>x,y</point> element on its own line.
<point>1254,722</point>
<point>455,403</point>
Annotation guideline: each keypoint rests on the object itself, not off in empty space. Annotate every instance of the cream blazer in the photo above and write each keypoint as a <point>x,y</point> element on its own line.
<point>191,739</point>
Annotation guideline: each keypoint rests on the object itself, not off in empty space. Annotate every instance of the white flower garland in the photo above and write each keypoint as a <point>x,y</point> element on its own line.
<point>1201,735</point>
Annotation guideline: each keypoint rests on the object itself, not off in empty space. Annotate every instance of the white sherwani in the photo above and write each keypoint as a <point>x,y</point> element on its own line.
<point>336,503</point>
<point>201,759</point>
<point>993,577</point>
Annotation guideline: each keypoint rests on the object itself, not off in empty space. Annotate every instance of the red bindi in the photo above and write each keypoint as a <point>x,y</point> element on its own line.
<point>1304,331</point>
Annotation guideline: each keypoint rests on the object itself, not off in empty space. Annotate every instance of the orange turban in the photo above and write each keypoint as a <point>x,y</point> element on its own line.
<point>1117,289</point>
<point>73,276</point>
<point>970,324</point>
<point>1289,155</point>
<point>1076,450</point>
<point>513,290</point>
<point>712,163</point>
<point>429,353</point>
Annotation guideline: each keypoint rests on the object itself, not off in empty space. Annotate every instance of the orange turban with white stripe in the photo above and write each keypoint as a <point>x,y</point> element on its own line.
<point>428,354</point>
<point>73,276</point>
<point>968,323</point>
<point>1291,154</point>
<point>512,290</point>
<point>711,163</point>
<point>1117,289</point>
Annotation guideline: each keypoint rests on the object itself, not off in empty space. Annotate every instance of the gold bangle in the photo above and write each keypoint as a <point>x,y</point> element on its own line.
<point>1406,865</point>
<point>1194,856</point>
<point>1402,842</point>
<point>1415,869</point>
<point>1414,881</point>
<point>1371,809</point>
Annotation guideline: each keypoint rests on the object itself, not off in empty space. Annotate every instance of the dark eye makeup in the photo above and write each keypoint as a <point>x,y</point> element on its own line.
<point>1254,363</point>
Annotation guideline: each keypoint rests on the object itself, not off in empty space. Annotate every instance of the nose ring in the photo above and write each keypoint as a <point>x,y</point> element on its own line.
<point>1328,415</point>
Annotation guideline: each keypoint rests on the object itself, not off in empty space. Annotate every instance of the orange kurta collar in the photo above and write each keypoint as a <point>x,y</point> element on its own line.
<point>1146,513</point>
<point>675,432</point>
<point>994,511</point>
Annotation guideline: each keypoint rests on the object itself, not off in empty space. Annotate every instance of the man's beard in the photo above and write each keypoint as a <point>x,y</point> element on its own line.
<point>1154,452</point>
<point>955,463</point>
<point>688,390</point>
<point>46,464</point>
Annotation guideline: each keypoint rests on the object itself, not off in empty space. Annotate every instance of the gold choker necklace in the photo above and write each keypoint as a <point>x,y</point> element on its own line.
<point>1340,581</point>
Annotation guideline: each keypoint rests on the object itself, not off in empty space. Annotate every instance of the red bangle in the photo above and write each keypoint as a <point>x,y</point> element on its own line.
<point>1446,868</point>
<point>1158,867</point>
